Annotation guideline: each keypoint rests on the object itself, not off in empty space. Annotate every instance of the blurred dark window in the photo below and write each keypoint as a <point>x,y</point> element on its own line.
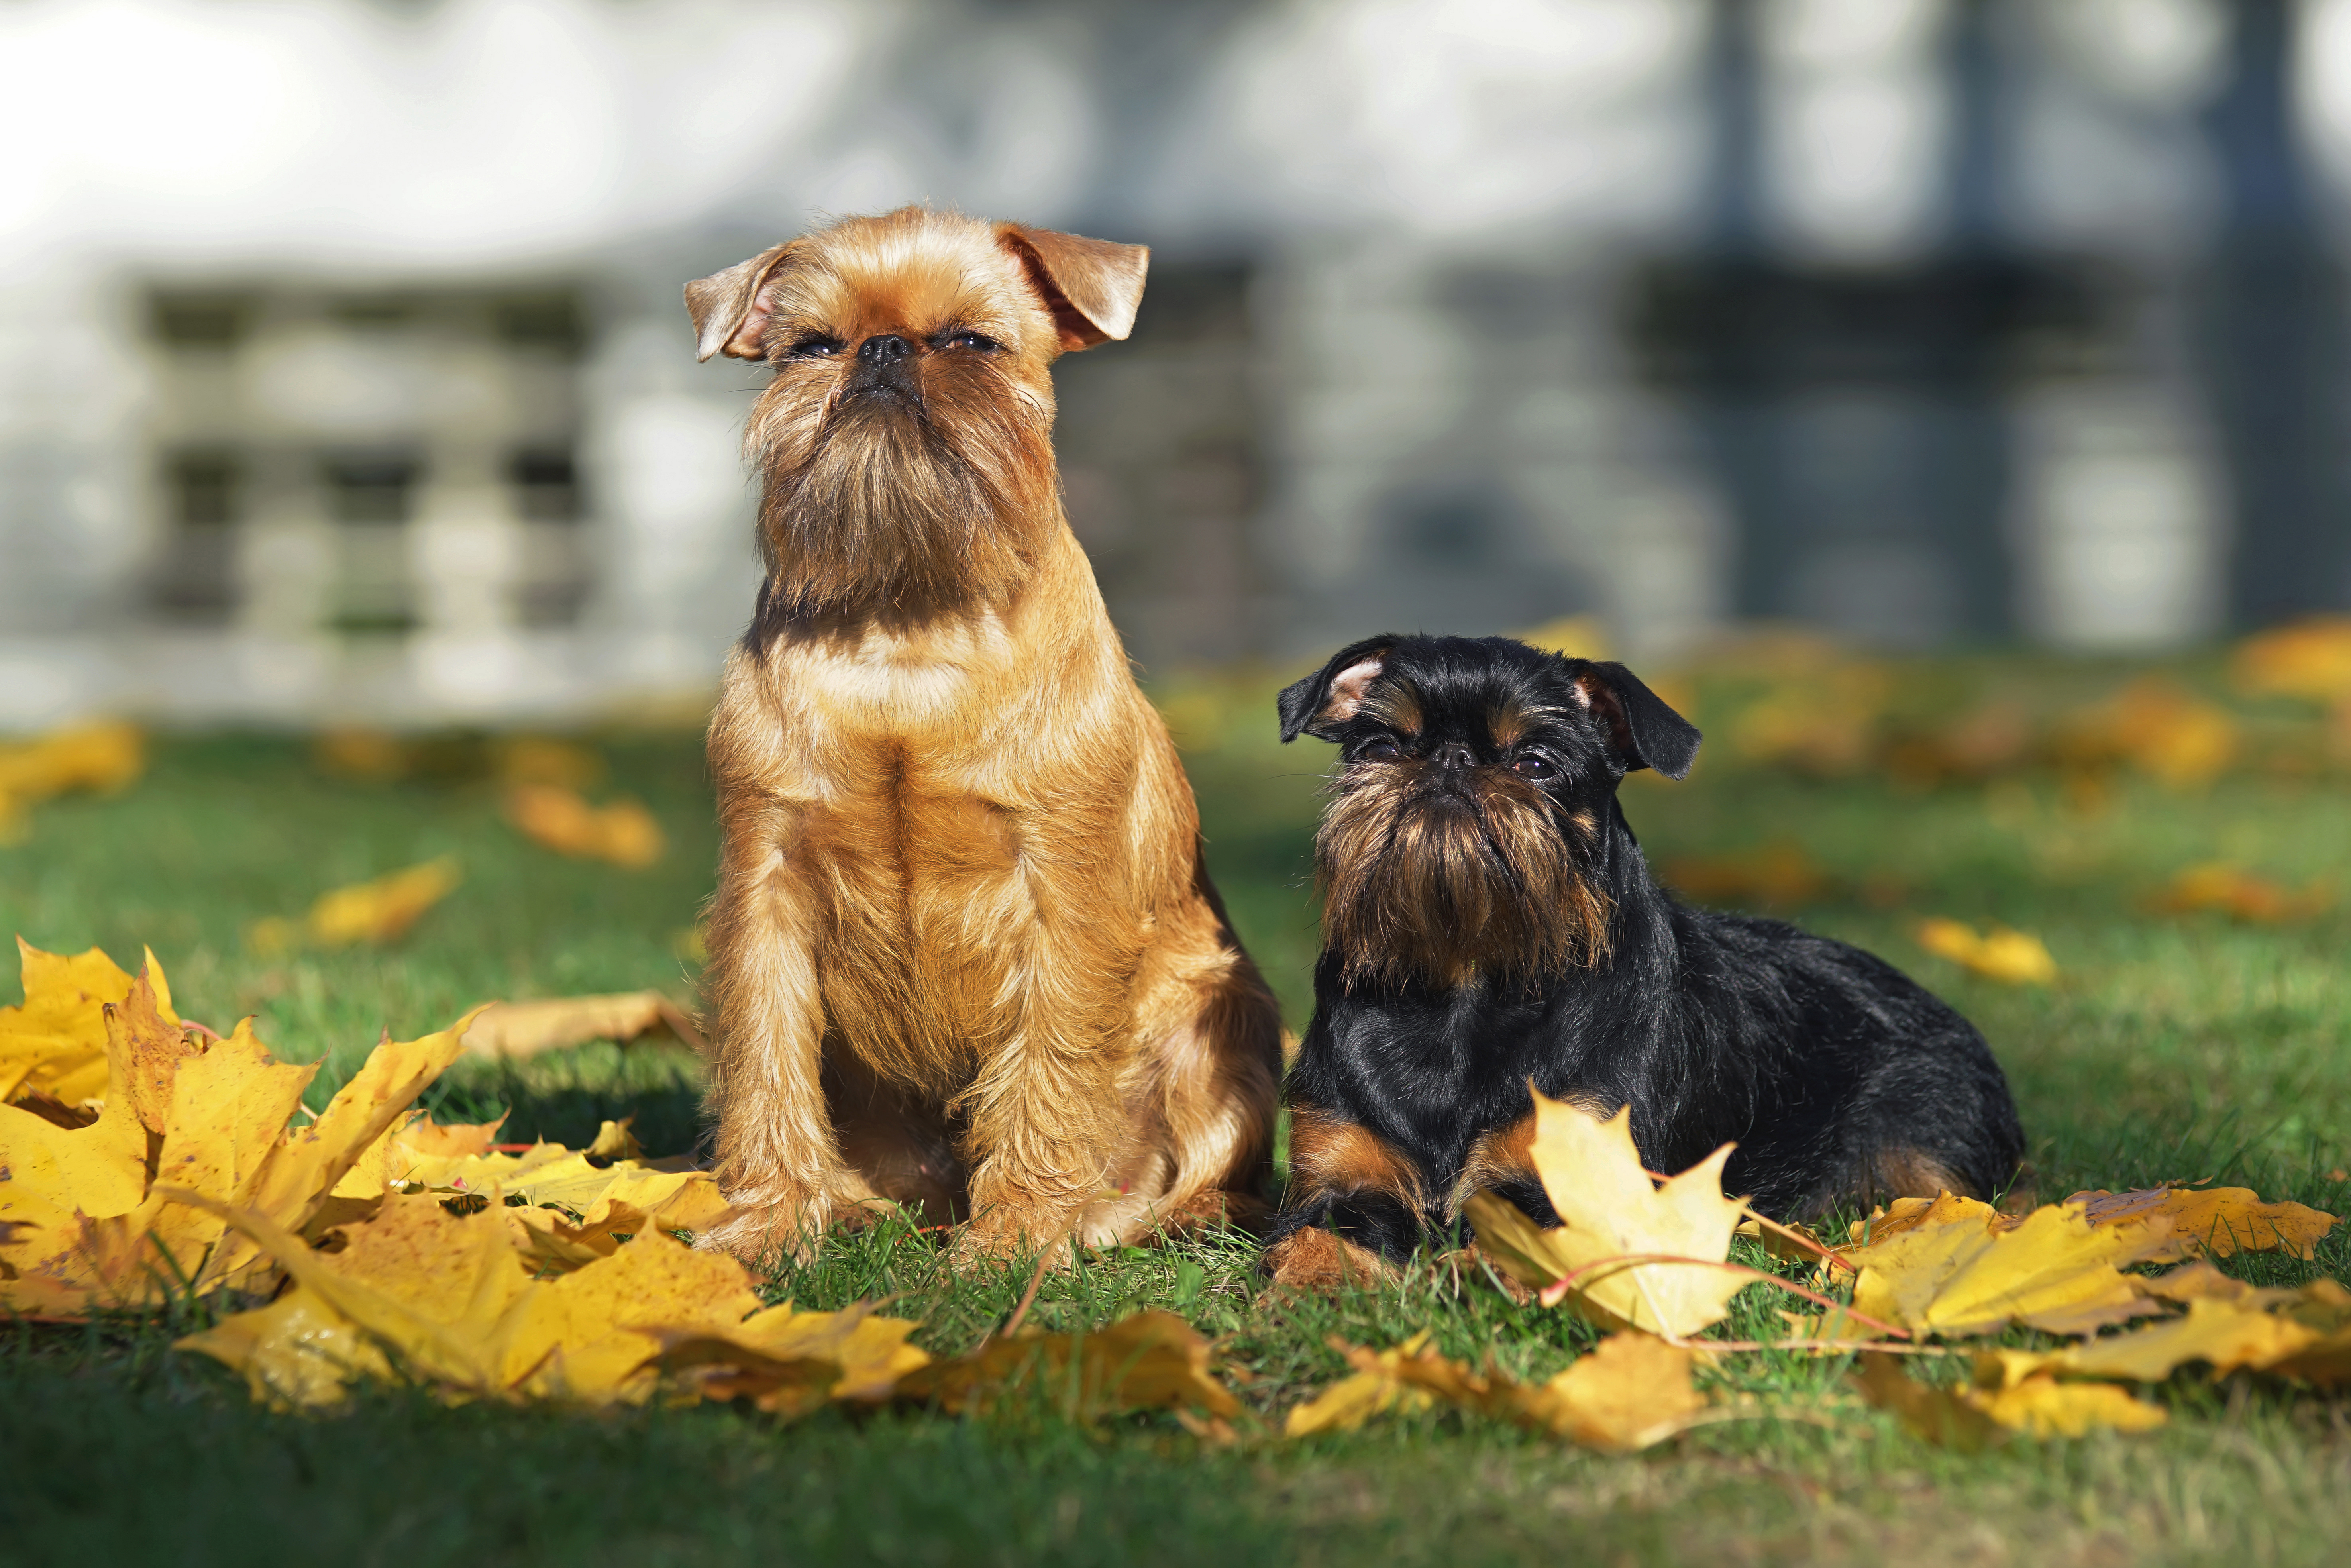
<point>370,488</point>
<point>214,322</point>
<point>195,579</point>
<point>546,484</point>
<point>373,312</point>
<point>551,322</point>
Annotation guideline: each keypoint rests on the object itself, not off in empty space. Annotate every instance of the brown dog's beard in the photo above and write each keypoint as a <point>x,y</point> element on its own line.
<point>875,505</point>
<point>1416,886</point>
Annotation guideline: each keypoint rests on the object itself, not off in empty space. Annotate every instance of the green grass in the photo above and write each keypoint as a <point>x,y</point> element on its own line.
<point>2171,1048</point>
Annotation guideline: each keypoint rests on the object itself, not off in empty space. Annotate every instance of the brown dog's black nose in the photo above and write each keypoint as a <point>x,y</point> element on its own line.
<point>1452,754</point>
<point>883,349</point>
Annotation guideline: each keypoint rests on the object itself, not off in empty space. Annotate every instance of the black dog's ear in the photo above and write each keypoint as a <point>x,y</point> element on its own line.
<point>1333,695</point>
<point>1647,733</point>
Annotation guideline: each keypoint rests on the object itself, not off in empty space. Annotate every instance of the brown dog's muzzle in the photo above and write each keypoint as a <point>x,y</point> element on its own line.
<point>884,369</point>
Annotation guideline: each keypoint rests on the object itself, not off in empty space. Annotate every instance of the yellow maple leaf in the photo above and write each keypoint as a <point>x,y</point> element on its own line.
<point>622,833</point>
<point>1777,874</point>
<point>1630,1392</point>
<point>2306,659</point>
<point>55,1043</point>
<point>1612,1218</point>
<point>381,910</point>
<point>103,757</point>
<point>515,1030</point>
<point>2000,954</point>
<point>2216,1222</point>
<point>787,1362</point>
<point>446,1299</point>
<point>2054,1270</point>
<point>2233,891</point>
<point>1145,1361</point>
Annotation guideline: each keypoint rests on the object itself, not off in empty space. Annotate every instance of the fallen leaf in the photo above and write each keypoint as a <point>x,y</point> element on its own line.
<point>1378,1386</point>
<point>1626,1393</point>
<point>561,819</point>
<point>381,910</point>
<point>537,759</point>
<point>1925,1213</point>
<point>1778,874</point>
<point>518,1029</point>
<point>2041,1406</point>
<point>2000,954</point>
<point>2229,890</point>
<point>1824,725</point>
<point>2218,1222</point>
<point>104,758</point>
<point>787,1363</point>
<point>1945,1418</point>
<point>1145,1361</point>
<point>55,1043</point>
<point>2157,728</point>
<point>1612,1214</point>
<point>2055,1270</point>
<point>2307,659</point>
<point>1576,636</point>
<point>1981,744</point>
<point>446,1301</point>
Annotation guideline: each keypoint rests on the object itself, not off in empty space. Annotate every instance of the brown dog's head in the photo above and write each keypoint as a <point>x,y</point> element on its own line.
<point>907,440</point>
<point>1478,776</point>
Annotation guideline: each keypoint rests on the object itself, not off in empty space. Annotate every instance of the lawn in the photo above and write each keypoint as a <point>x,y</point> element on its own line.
<point>2171,1047</point>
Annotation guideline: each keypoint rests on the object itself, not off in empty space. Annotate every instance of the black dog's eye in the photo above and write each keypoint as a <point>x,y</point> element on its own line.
<point>1532,766</point>
<point>1380,750</point>
<point>816,346</point>
<point>978,342</point>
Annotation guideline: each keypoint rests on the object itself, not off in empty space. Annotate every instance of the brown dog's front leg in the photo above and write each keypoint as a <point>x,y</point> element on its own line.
<point>778,1162</point>
<point>1047,1119</point>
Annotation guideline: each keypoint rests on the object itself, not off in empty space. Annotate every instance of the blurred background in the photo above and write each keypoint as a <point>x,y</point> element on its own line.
<point>343,375</point>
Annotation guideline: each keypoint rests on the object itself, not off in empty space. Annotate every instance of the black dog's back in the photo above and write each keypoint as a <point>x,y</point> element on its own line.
<point>1836,1075</point>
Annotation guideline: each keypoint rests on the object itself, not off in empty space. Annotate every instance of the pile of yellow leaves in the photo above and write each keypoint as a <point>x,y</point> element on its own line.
<point>101,757</point>
<point>1648,1259</point>
<point>390,1249</point>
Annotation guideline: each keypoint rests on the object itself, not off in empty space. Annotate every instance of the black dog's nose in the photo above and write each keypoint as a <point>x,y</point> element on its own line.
<point>883,349</point>
<point>1454,755</point>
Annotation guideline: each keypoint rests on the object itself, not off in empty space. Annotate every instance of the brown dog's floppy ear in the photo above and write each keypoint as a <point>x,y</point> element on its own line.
<point>1645,732</point>
<point>1092,287</point>
<point>730,308</point>
<point>1333,694</point>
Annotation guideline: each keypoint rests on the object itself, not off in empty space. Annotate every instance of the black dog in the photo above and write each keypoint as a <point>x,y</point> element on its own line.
<point>1489,920</point>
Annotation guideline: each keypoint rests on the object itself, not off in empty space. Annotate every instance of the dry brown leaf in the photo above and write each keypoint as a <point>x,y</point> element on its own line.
<point>2230,890</point>
<point>380,910</point>
<point>2217,1221</point>
<point>1778,876</point>
<point>1611,1211</point>
<point>1945,1418</point>
<point>2054,1270</point>
<point>2012,958</point>
<point>516,1030</point>
<point>622,833</point>
<point>1145,1361</point>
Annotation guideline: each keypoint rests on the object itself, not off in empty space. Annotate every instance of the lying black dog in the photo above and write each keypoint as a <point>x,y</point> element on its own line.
<point>1489,920</point>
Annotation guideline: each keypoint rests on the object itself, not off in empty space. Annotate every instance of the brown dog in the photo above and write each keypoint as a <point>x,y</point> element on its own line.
<point>964,951</point>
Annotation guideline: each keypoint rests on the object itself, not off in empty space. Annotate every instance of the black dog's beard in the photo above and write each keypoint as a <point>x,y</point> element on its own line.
<point>1443,886</point>
<point>889,509</point>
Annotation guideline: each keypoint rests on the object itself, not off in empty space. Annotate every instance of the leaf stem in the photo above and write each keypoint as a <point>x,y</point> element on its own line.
<point>1552,1294</point>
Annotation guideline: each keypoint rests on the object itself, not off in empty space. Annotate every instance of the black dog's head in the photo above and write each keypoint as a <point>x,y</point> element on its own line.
<point>1477,777</point>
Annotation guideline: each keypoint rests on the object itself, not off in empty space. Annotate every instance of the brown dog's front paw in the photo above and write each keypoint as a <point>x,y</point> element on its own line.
<point>1320,1263</point>
<point>762,1232</point>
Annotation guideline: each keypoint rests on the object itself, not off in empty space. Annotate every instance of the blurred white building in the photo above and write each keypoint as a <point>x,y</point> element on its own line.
<point>343,373</point>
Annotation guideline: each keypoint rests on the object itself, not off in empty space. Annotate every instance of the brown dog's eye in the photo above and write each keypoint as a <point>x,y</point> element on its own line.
<point>1379,751</point>
<point>978,342</point>
<point>816,346</point>
<point>1536,767</point>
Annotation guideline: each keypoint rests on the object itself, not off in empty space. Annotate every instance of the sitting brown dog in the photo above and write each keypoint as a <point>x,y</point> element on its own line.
<point>964,952</point>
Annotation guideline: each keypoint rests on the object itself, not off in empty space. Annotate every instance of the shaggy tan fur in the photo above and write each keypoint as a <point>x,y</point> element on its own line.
<point>964,952</point>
